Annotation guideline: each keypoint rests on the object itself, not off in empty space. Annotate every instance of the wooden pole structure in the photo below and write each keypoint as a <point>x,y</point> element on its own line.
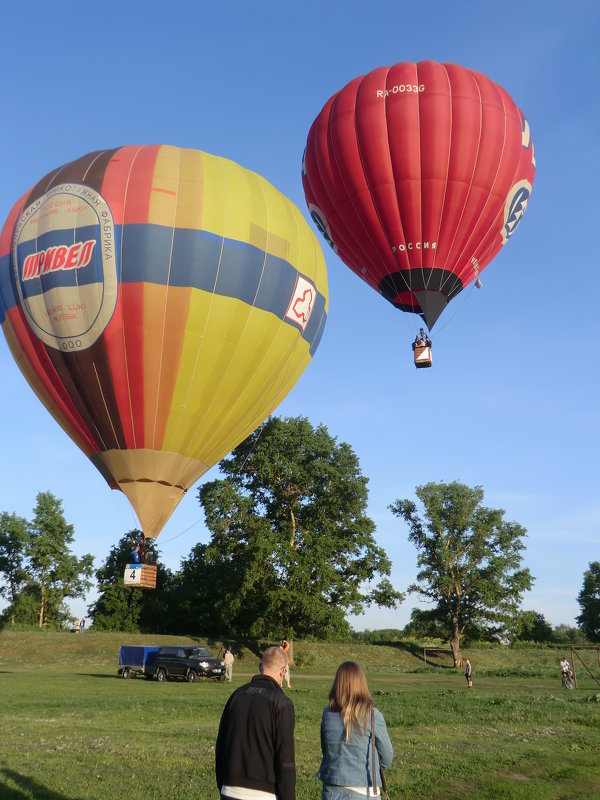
<point>585,666</point>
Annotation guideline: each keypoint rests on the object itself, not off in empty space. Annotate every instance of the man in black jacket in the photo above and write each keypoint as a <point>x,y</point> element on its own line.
<point>255,744</point>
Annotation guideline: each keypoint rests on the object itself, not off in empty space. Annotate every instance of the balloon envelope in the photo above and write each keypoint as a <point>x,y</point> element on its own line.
<point>416,175</point>
<point>161,302</point>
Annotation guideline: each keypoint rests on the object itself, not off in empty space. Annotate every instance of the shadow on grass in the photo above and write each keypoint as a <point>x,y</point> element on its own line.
<point>416,651</point>
<point>26,788</point>
<point>99,675</point>
<point>237,647</point>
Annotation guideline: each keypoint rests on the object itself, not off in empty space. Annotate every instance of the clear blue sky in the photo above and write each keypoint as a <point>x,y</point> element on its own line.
<point>511,403</point>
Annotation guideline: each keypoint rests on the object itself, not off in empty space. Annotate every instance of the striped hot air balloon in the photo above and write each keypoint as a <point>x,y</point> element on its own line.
<point>161,302</point>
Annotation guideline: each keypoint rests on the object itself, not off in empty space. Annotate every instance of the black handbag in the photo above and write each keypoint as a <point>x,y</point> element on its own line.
<point>384,791</point>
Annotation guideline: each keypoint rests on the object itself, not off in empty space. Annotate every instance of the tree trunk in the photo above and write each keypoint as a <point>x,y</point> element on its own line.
<point>455,646</point>
<point>43,588</point>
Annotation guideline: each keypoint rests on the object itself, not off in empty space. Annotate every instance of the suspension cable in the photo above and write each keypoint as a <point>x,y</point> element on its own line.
<point>229,483</point>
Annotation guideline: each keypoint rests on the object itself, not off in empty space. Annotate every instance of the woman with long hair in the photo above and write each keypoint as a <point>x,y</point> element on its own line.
<point>348,726</point>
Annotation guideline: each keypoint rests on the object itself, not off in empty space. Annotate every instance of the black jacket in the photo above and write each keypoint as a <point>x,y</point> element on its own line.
<point>255,744</point>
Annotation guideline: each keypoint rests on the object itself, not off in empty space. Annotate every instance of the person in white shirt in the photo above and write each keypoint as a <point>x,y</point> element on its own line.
<point>229,659</point>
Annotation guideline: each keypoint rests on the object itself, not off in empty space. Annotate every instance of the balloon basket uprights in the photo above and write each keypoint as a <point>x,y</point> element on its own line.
<point>422,357</point>
<point>140,576</point>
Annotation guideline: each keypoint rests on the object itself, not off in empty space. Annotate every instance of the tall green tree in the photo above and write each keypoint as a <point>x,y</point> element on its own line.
<point>129,609</point>
<point>425,624</point>
<point>292,548</point>
<point>198,591</point>
<point>469,559</point>
<point>589,602</point>
<point>56,574</point>
<point>14,535</point>
<point>569,634</point>
<point>530,626</point>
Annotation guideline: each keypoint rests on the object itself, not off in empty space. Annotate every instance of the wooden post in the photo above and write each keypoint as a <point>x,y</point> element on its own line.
<point>574,649</point>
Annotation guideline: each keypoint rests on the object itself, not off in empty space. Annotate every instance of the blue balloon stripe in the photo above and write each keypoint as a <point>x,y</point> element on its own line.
<point>171,257</point>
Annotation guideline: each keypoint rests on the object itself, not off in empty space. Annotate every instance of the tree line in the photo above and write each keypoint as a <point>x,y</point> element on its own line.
<point>38,569</point>
<point>291,553</point>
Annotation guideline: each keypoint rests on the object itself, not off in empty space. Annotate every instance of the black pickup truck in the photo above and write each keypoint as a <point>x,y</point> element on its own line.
<point>188,663</point>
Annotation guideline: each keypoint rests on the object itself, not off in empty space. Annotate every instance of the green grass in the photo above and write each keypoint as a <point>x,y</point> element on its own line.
<point>70,729</point>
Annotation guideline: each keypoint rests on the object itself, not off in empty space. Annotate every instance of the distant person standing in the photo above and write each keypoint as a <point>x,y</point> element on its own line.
<point>254,753</point>
<point>229,659</point>
<point>469,673</point>
<point>565,671</point>
<point>285,646</point>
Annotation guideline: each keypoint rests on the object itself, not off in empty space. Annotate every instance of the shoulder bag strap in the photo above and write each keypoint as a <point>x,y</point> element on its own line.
<point>374,781</point>
<point>384,792</point>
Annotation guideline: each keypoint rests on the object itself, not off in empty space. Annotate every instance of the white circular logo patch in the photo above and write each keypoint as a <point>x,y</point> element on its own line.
<point>514,208</point>
<point>65,266</point>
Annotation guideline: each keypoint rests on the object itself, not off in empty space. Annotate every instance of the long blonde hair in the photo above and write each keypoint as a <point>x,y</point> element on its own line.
<point>349,695</point>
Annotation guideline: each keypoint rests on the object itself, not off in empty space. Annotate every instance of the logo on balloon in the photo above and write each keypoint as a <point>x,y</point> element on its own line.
<point>321,222</point>
<point>514,208</point>
<point>301,304</point>
<point>526,139</point>
<point>61,257</point>
<point>64,266</point>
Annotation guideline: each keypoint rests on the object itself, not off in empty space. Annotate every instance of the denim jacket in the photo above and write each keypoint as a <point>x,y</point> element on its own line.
<point>350,763</point>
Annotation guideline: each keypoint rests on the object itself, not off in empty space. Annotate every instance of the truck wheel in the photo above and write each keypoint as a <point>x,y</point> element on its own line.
<point>161,675</point>
<point>192,676</point>
<point>125,673</point>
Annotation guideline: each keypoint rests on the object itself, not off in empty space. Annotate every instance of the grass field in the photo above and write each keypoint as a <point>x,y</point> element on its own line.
<point>70,729</point>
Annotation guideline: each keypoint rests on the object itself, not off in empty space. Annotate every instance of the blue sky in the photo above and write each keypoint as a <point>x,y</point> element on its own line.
<point>511,403</point>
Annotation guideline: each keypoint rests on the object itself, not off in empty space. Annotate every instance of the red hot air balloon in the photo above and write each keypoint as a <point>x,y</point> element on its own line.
<point>417,175</point>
